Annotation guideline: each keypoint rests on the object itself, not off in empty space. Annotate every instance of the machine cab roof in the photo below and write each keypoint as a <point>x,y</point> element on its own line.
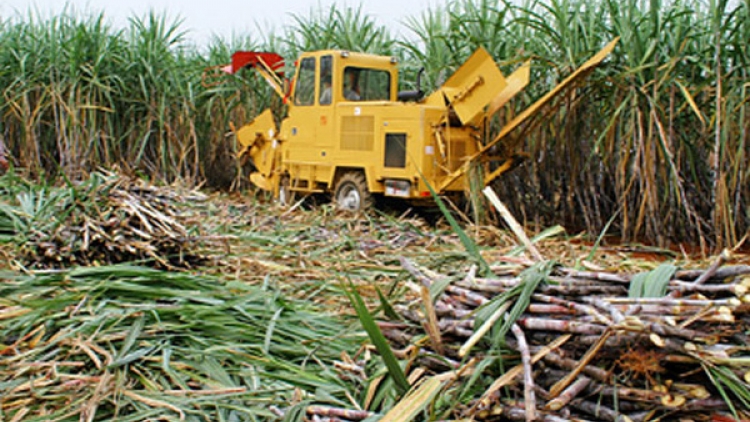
<point>331,76</point>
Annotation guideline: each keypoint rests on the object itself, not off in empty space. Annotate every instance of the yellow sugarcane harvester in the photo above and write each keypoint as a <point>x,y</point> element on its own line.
<point>350,133</point>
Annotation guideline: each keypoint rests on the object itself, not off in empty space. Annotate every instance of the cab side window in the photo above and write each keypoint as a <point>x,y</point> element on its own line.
<point>304,92</point>
<point>326,72</point>
<point>362,84</point>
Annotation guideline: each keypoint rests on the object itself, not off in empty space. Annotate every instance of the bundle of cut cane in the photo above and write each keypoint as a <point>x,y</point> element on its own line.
<point>595,345</point>
<point>104,219</point>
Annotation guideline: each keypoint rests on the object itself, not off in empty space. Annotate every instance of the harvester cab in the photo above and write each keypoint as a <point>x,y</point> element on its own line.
<point>350,133</point>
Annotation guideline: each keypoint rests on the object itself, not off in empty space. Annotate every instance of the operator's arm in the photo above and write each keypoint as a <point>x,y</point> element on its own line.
<point>325,97</point>
<point>351,95</point>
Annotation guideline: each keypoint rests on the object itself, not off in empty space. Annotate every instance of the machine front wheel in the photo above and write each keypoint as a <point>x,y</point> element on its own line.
<point>351,193</point>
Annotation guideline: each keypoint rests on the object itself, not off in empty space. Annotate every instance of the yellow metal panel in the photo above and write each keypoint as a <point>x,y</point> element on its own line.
<point>271,77</point>
<point>263,182</point>
<point>257,140</point>
<point>473,86</point>
<point>262,126</point>
<point>517,81</point>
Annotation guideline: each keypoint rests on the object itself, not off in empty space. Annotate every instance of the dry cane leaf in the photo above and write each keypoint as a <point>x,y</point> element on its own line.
<point>153,402</point>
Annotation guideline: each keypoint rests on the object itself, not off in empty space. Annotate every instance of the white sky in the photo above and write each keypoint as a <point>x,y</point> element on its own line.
<point>221,17</point>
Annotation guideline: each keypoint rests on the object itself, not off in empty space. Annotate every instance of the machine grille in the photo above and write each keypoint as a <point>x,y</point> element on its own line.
<point>357,133</point>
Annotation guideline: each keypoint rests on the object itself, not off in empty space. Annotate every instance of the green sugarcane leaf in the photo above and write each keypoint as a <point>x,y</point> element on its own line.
<point>599,238</point>
<point>653,283</point>
<point>415,402</point>
<point>387,307</point>
<point>545,234</point>
<point>296,413</point>
<point>487,310</point>
<point>715,378</point>
<point>636,285</point>
<point>133,334</point>
<point>132,357</point>
<point>438,287</point>
<point>379,340</point>
<point>269,331</point>
<point>531,278</point>
<point>470,246</point>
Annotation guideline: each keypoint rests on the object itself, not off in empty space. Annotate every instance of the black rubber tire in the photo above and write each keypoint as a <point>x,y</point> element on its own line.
<point>351,193</point>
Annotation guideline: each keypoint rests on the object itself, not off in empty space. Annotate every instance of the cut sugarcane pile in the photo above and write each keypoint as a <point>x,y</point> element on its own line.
<point>104,219</point>
<point>591,345</point>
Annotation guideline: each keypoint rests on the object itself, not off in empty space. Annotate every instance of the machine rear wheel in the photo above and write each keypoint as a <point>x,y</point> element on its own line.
<point>351,192</point>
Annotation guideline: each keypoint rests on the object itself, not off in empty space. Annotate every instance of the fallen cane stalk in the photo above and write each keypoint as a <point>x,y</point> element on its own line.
<point>615,278</point>
<point>666,310</point>
<point>564,286</point>
<point>515,413</point>
<point>528,377</point>
<point>153,402</point>
<point>623,393</point>
<point>515,371</point>
<point>569,394</point>
<point>668,301</point>
<point>601,412</point>
<point>466,296</point>
<point>616,315</point>
<point>720,260</point>
<point>333,412</point>
<point>565,326</point>
<point>431,326</point>
<point>414,271</point>
<point>443,309</point>
<point>721,273</point>
<point>544,308</point>
<point>617,331</point>
<point>565,363</point>
<point>565,382</point>
<point>704,314</point>
<point>479,333</point>
<point>490,285</point>
<point>512,223</point>
<point>447,324</point>
<point>737,288</point>
<point>584,309</point>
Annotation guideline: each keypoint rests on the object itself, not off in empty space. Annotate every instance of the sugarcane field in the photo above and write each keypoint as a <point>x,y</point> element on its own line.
<point>535,210</point>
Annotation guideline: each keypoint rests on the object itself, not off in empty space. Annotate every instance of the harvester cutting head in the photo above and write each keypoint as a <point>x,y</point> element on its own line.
<point>269,65</point>
<point>242,59</point>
